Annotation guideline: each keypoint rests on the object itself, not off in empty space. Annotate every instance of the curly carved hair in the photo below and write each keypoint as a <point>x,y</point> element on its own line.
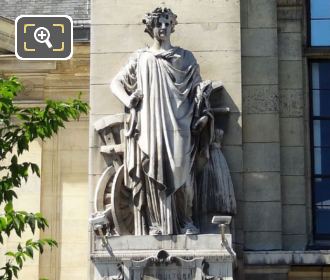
<point>150,19</point>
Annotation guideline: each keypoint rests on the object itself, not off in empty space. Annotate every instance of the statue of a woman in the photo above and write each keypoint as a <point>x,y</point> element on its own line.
<point>161,85</point>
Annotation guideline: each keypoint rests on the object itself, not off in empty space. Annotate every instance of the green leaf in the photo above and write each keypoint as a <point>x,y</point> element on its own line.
<point>9,207</point>
<point>3,223</point>
<point>29,252</point>
<point>15,270</point>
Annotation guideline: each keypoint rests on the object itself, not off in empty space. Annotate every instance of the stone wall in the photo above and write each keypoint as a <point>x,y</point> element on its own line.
<point>294,134</point>
<point>273,126</point>
<point>276,142</point>
<point>261,135</point>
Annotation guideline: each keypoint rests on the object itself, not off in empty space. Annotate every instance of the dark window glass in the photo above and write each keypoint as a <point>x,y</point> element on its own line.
<point>321,103</point>
<point>322,133</point>
<point>322,161</point>
<point>320,90</point>
<point>322,220</point>
<point>321,75</point>
<point>320,23</point>
<point>322,191</point>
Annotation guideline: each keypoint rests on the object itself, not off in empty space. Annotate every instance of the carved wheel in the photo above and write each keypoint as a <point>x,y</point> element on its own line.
<point>122,204</point>
<point>103,193</point>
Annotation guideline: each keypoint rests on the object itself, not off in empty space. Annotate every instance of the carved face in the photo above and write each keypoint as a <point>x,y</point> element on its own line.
<point>162,28</point>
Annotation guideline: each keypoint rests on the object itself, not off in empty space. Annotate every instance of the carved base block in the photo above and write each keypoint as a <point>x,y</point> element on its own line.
<point>180,257</point>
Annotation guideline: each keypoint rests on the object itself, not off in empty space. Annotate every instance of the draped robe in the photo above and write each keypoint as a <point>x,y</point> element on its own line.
<point>159,156</point>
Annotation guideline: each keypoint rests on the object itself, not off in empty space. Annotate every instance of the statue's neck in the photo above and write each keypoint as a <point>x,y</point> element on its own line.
<point>159,45</point>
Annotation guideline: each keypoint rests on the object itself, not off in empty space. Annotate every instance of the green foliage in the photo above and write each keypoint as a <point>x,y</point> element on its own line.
<point>18,127</point>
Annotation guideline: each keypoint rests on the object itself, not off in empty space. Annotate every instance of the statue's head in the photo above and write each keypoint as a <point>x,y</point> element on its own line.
<point>160,23</point>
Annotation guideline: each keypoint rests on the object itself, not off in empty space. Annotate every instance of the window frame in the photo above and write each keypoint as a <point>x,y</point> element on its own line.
<point>317,236</point>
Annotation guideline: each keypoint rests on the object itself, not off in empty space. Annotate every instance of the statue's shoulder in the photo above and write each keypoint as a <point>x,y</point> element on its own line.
<point>134,57</point>
<point>138,52</point>
<point>186,54</point>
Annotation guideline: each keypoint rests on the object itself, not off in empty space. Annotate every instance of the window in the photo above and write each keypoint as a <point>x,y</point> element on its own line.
<point>319,62</point>
<point>320,117</point>
<point>320,23</point>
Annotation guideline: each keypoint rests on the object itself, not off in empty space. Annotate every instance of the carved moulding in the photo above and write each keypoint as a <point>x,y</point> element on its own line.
<point>191,258</point>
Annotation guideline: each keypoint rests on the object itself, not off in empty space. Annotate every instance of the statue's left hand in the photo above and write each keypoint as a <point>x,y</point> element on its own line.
<point>200,124</point>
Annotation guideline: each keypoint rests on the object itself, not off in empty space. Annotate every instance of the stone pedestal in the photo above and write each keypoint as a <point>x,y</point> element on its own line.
<point>189,257</point>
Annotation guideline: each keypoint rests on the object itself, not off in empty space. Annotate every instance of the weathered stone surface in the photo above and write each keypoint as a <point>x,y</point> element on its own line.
<point>294,219</point>
<point>289,3</point>
<point>11,64</point>
<point>259,42</point>
<point>111,35</point>
<point>289,26</point>
<point>237,179</point>
<point>290,74</point>
<point>230,96</point>
<point>233,155</point>
<point>259,157</point>
<point>97,163</point>
<point>292,103</point>
<point>238,220</point>
<point>94,138</point>
<point>73,161</point>
<point>69,136</point>
<point>261,128</point>
<point>267,275</point>
<point>262,240</point>
<point>262,186</point>
<point>103,101</point>
<point>92,181</point>
<point>294,242</point>
<point>262,216</point>
<point>287,258</point>
<point>293,189</point>
<point>260,99</point>
<point>259,70</point>
<point>290,46</point>
<point>105,12</point>
<point>75,256</point>
<point>232,126</point>
<point>244,14</point>
<point>292,131</point>
<point>33,86</point>
<point>262,13</point>
<point>290,13</point>
<point>292,160</point>
<point>140,245</point>
<point>7,36</point>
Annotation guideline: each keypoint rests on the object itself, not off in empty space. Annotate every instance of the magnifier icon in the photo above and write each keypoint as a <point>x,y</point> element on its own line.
<point>41,35</point>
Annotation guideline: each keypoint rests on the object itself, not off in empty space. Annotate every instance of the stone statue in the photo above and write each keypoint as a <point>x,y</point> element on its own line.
<point>215,193</point>
<point>169,132</point>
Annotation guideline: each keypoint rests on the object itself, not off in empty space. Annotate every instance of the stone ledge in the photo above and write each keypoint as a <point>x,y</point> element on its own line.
<point>191,246</point>
<point>211,255</point>
<point>321,257</point>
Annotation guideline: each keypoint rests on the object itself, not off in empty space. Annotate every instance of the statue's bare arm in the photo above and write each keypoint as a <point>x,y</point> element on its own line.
<point>117,88</point>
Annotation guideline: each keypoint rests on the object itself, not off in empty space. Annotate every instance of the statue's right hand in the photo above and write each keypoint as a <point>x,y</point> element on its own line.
<point>134,99</point>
